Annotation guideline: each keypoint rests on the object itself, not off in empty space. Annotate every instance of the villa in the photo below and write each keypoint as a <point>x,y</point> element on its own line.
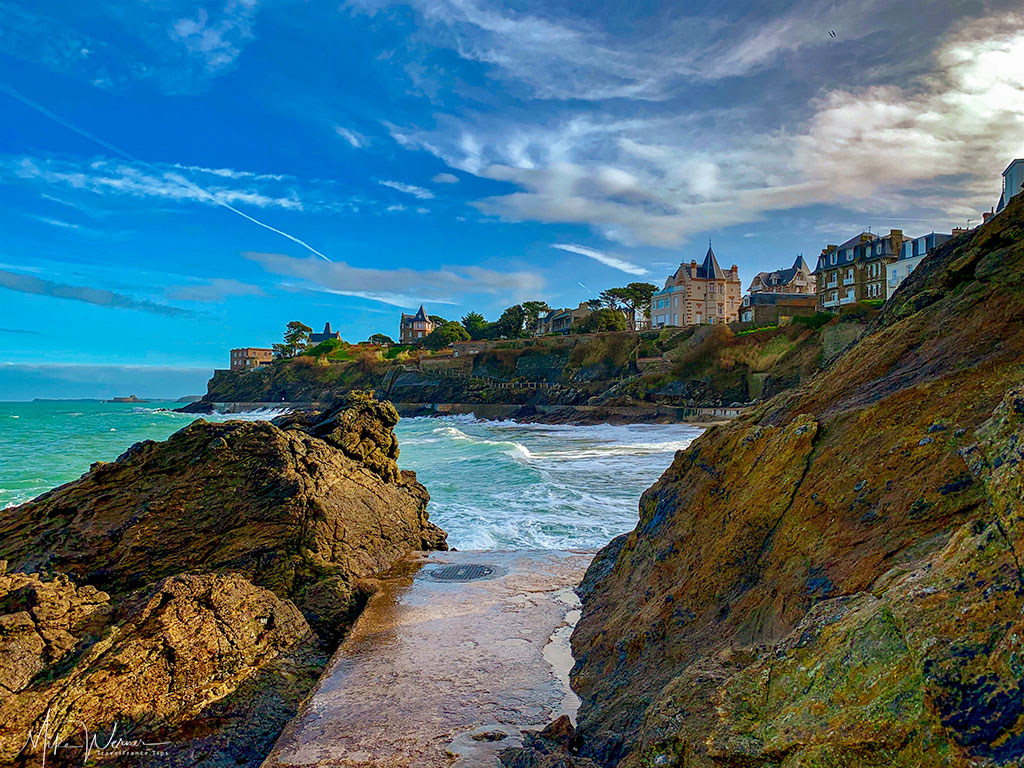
<point>698,294</point>
<point>562,320</point>
<point>412,328</point>
<point>316,338</point>
<point>250,358</point>
<point>798,279</point>
<point>856,270</point>
<point>911,255</point>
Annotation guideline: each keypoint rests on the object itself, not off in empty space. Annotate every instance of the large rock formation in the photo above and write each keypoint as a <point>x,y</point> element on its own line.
<point>190,591</point>
<point>835,579</point>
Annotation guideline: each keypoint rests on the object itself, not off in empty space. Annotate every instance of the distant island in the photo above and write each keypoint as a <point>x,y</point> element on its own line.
<point>129,399</point>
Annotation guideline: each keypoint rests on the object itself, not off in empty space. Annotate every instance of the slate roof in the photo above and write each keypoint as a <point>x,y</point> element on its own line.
<point>709,269</point>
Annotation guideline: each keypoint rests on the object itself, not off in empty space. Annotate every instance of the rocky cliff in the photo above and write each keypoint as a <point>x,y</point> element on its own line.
<point>835,579</point>
<point>189,592</point>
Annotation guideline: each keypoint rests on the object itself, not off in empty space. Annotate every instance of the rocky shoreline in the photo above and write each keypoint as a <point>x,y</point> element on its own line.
<point>834,578</point>
<point>187,595</point>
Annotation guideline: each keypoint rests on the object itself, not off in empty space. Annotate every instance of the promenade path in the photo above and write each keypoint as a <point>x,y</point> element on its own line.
<point>454,645</point>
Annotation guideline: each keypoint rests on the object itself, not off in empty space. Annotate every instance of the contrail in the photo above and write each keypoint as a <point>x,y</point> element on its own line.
<point>132,159</point>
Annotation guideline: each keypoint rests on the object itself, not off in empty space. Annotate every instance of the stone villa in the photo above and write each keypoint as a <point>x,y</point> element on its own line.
<point>698,294</point>
<point>798,279</point>
<point>562,320</point>
<point>414,327</point>
<point>250,358</point>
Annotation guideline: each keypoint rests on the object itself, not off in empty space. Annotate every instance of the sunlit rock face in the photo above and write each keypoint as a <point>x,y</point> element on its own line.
<point>834,579</point>
<point>190,591</point>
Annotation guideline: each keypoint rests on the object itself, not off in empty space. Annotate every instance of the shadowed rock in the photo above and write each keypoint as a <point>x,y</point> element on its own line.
<point>834,579</point>
<point>231,558</point>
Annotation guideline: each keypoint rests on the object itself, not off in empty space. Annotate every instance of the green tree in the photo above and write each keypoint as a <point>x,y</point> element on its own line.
<point>380,338</point>
<point>325,348</point>
<point>437,320</point>
<point>444,335</point>
<point>602,320</point>
<point>296,339</point>
<point>637,298</point>
<point>475,325</point>
<point>509,325</point>
<point>534,310</point>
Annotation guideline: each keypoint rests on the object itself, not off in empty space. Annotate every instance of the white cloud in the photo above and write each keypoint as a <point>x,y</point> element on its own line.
<point>409,189</point>
<point>444,284</point>
<point>605,258</point>
<point>103,176</point>
<point>356,140</point>
<point>930,148</point>
<point>213,290</point>
<point>445,178</point>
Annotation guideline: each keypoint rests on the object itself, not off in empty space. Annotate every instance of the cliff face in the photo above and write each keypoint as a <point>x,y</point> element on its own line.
<point>190,590</point>
<point>834,579</point>
<point>671,367</point>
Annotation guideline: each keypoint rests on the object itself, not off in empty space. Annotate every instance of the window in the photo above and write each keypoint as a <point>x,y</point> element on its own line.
<point>832,259</point>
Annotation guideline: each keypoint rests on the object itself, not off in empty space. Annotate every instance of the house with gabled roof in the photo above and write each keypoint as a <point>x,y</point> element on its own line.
<point>797,279</point>
<point>856,270</point>
<point>698,293</point>
<point>413,328</point>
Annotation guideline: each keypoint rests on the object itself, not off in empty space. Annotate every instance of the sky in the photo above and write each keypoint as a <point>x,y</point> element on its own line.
<point>179,178</point>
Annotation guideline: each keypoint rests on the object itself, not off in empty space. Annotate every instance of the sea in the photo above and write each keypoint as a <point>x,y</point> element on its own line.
<point>493,484</point>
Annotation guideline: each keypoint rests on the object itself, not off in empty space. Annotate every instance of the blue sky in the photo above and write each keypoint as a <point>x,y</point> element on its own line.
<point>179,178</point>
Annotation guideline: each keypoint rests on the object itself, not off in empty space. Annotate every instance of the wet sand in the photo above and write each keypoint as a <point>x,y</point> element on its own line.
<point>431,664</point>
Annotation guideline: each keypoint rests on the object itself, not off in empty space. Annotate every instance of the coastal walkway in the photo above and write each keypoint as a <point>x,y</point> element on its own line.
<point>453,656</point>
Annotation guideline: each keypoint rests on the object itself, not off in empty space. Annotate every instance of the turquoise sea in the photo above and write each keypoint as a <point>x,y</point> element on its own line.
<point>493,485</point>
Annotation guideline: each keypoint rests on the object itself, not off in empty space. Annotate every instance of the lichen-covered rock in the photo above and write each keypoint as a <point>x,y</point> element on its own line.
<point>834,579</point>
<point>165,658</point>
<point>190,591</point>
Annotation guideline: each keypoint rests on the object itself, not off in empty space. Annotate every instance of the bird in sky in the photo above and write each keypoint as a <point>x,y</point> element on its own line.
<point>832,33</point>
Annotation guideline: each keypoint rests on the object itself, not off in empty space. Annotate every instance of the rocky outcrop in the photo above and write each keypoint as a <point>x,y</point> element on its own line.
<point>834,579</point>
<point>188,593</point>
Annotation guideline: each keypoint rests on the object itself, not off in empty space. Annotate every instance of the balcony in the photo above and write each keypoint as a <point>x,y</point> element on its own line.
<point>847,281</point>
<point>831,303</point>
<point>847,300</point>
<point>832,284</point>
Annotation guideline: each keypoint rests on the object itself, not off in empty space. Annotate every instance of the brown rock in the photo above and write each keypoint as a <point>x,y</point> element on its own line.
<point>834,579</point>
<point>232,557</point>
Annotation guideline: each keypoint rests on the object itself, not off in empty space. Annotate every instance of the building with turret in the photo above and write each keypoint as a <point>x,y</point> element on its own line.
<point>316,338</point>
<point>412,328</point>
<point>698,293</point>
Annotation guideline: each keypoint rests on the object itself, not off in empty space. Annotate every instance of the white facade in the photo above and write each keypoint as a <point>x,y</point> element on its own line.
<point>1013,183</point>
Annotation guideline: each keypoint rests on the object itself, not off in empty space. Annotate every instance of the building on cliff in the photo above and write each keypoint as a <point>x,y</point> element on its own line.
<point>414,327</point>
<point>1013,183</point>
<point>316,338</point>
<point>911,255</point>
<point>696,294</point>
<point>797,279</point>
<point>562,320</point>
<point>770,308</point>
<point>856,270</point>
<point>248,358</point>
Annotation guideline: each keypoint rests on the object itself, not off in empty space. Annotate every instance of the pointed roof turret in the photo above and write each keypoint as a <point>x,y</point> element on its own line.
<point>327,328</point>
<point>800,262</point>
<point>709,269</point>
<point>422,314</point>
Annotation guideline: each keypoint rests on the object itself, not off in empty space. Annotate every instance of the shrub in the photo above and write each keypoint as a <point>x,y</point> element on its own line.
<point>817,320</point>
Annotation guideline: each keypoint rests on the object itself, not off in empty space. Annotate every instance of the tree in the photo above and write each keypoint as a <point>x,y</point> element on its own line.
<point>533,310</point>
<point>444,335</point>
<point>296,339</point>
<point>637,298</point>
<point>437,320</point>
<point>475,325</point>
<point>382,339</point>
<point>600,321</point>
<point>325,348</point>
<point>509,325</point>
